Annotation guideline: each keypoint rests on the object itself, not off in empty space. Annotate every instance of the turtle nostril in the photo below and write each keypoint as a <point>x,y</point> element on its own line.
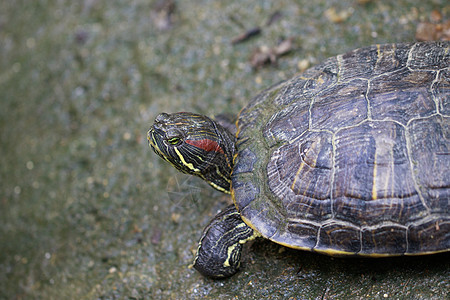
<point>156,126</point>
<point>161,118</point>
<point>157,129</point>
<point>160,122</point>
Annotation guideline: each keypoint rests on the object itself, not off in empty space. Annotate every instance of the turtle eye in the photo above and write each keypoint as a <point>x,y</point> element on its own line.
<point>174,141</point>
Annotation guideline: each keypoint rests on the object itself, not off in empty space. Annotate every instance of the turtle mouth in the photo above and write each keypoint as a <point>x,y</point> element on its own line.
<point>154,140</point>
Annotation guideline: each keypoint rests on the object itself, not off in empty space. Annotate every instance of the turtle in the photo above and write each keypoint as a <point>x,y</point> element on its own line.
<point>350,157</point>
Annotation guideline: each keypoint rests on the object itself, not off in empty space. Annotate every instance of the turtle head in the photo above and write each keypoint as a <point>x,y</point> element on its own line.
<point>195,144</point>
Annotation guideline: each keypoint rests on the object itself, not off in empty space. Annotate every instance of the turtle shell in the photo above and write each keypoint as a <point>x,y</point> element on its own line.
<point>352,156</point>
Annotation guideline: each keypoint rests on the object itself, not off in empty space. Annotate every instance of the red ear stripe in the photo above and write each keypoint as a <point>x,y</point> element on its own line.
<point>206,144</point>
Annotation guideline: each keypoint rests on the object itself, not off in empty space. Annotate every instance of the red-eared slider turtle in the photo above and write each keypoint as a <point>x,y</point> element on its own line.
<point>352,157</point>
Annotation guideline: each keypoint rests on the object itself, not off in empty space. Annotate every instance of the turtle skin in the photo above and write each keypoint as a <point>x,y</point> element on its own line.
<point>351,157</point>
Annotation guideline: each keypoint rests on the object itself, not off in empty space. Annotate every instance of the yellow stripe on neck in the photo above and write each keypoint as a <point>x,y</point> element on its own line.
<point>189,165</point>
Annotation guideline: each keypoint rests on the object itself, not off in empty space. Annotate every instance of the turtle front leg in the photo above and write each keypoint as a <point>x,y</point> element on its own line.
<point>220,247</point>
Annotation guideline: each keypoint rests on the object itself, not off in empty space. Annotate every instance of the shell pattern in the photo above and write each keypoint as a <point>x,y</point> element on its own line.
<point>352,156</point>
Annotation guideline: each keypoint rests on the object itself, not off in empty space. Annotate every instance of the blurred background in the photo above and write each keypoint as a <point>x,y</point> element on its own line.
<point>88,211</point>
